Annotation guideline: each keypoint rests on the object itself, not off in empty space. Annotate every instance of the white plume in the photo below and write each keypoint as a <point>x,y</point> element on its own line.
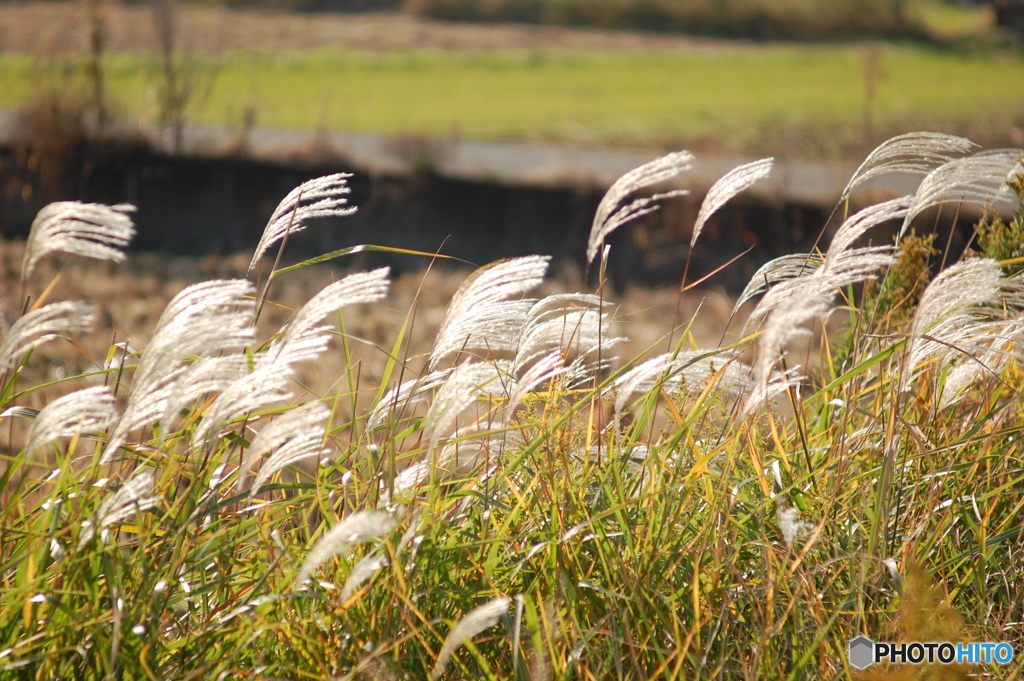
<point>728,186</point>
<point>916,153</point>
<point>357,528</point>
<point>42,325</point>
<point>91,230</point>
<point>610,216</point>
<point>325,196</point>
<point>82,411</point>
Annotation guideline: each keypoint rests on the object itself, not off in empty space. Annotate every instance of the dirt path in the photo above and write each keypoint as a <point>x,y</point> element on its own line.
<point>58,27</point>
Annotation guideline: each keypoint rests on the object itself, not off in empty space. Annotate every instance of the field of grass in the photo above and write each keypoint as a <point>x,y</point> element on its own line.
<point>774,99</point>
<point>513,495</point>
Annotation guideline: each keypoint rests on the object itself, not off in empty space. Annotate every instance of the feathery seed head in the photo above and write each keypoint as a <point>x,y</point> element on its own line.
<point>294,436</point>
<point>476,620</point>
<point>42,325</point>
<point>82,411</point>
<point>90,230</point>
<point>916,153</point>
<point>491,284</point>
<point>133,494</point>
<point>728,186</point>
<point>357,528</point>
<point>980,178</point>
<point>322,197</point>
<point>610,216</point>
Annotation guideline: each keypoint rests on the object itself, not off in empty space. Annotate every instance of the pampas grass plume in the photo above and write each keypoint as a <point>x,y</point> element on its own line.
<point>358,527</point>
<point>610,215</point>
<point>728,186</point>
<point>82,411</point>
<point>90,230</point>
<point>476,620</point>
<point>322,197</point>
<point>42,325</point>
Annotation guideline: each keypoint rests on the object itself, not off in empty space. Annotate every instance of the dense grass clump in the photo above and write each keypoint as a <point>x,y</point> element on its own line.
<point>531,505</point>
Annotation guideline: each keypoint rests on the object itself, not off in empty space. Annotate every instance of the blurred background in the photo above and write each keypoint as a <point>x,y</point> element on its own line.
<point>487,128</point>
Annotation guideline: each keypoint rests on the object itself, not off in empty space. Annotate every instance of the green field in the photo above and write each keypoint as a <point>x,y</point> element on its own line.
<point>736,98</point>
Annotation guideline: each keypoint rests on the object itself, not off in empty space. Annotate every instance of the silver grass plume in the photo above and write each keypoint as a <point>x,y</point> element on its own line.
<point>582,371</point>
<point>357,528</point>
<point>778,270</point>
<point>135,494</point>
<point>544,369</point>
<point>979,178</point>
<point>981,361</point>
<point>42,325</point>
<point>494,328</point>
<point>966,284</point>
<point>466,384</point>
<point>729,185</point>
<point>269,384</point>
<point>859,223</point>
<point>476,620</point>
<point>204,376</point>
<point>610,216</point>
<point>494,283</point>
<point>294,436</point>
<point>576,328</point>
<point>82,411</point>
<point>325,196</point>
<point>692,370</point>
<point>806,299</point>
<point>841,267</point>
<point>90,230</point>
<point>409,394</point>
<point>362,571</point>
<point>916,152</point>
<point>202,320</point>
<point>455,457</point>
<point>308,334</point>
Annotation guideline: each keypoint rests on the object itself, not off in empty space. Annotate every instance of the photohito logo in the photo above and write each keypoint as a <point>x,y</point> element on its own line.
<point>863,652</point>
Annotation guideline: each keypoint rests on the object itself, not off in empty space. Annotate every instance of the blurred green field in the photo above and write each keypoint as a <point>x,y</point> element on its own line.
<point>740,98</point>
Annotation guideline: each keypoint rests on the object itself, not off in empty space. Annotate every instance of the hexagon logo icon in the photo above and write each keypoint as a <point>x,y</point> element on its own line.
<point>862,652</point>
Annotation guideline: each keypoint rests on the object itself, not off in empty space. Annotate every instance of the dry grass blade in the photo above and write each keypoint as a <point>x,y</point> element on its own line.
<point>980,178</point>
<point>488,285</point>
<point>133,495</point>
<point>728,186</point>
<point>322,197</point>
<point>294,436</point>
<point>610,216</point>
<point>42,325</point>
<point>82,411</point>
<point>90,230</point>
<point>476,620</point>
<point>356,528</point>
<point>916,152</point>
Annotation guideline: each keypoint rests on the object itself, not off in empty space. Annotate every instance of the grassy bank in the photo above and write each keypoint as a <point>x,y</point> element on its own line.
<point>513,497</point>
<point>779,99</point>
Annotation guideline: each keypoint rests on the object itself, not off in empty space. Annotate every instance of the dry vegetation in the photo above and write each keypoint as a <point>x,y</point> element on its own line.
<point>496,487</point>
